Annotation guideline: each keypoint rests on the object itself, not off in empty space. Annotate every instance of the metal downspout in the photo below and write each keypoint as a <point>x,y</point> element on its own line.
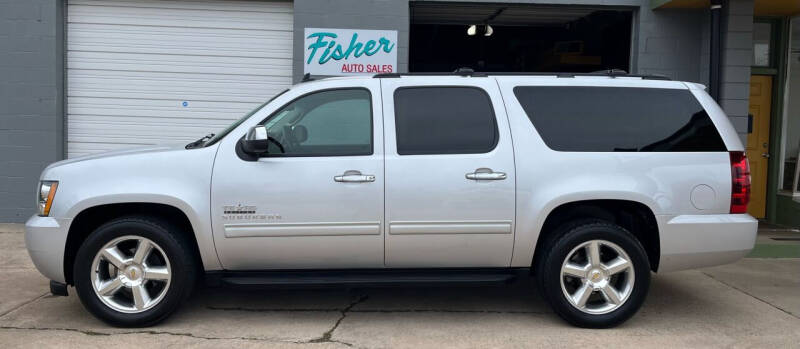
<point>715,60</point>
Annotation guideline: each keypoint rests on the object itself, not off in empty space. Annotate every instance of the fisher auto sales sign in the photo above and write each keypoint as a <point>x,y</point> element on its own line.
<point>350,51</point>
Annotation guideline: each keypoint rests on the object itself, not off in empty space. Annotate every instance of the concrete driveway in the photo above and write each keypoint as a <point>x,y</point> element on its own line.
<point>753,303</point>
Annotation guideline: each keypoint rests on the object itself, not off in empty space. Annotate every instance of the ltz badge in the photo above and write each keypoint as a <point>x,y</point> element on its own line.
<point>240,212</point>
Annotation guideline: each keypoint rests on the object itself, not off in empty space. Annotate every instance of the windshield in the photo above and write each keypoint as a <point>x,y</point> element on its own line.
<point>231,127</point>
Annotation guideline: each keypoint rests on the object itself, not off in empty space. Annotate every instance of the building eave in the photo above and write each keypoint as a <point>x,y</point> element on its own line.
<point>760,7</point>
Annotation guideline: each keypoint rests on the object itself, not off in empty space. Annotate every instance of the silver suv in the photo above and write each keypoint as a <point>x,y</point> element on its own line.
<point>588,182</point>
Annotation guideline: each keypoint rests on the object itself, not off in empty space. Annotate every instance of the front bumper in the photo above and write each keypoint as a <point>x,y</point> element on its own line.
<point>46,238</point>
<point>696,241</point>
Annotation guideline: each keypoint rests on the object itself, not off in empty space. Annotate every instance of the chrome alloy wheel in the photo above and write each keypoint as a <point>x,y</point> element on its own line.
<point>131,274</point>
<point>597,277</point>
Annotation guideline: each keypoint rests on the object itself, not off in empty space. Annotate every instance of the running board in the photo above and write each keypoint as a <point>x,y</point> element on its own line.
<point>373,278</point>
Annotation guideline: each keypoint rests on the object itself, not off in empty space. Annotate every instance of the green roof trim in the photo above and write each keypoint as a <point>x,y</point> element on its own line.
<point>654,4</point>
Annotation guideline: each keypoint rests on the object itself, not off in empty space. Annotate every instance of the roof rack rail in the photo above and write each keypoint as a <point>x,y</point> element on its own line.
<point>612,73</point>
<point>308,77</point>
<point>464,71</point>
<point>387,75</point>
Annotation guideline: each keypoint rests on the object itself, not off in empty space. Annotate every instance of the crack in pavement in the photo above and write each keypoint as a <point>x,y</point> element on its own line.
<point>86,332</point>
<point>750,294</point>
<point>326,337</point>
<point>24,304</point>
<point>153,332</point>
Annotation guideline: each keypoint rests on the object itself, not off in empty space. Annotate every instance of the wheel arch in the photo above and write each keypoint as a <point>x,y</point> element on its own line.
<point>90,218</point>
<point>634,216</point>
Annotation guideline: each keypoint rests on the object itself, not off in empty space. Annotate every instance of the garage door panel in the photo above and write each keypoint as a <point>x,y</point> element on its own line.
<point>182,41</point>
<point>123,131</point>
<point>145,130</point>
<point>179,88</point>
<point>241,5</point>
<point>205,124</point>
<point>220,14</point>
<point>127,137</point>
<point>109,88</point>
<point>148,72</point>
<point>87,148</point>
<point>138,74</point>
<point>178,64</point>
<point>117,28</point>
<point>143,20</point>
<point>153,108</point>
<point>133,91</point>
<point>142,46</point>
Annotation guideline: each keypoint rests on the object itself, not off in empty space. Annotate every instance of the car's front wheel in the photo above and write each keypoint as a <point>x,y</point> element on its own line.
<point>134,271</point>
<point>595,274</point>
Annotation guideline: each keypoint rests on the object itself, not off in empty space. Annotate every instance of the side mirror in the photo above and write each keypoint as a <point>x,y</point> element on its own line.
<point>255,142</point>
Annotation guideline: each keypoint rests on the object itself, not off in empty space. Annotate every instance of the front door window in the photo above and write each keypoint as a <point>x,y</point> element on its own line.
<point>328,123</point>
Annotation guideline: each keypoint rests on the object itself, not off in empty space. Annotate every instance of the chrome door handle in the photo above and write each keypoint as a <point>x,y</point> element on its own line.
<point>352,176</point>
<point>766,155</point>
<point>486,174</point>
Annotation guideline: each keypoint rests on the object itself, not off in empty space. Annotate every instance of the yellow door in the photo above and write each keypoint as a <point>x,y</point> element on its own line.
<point>758,142</point>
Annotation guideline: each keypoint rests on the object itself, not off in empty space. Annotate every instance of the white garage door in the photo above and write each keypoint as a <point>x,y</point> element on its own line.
<point>150,72</point>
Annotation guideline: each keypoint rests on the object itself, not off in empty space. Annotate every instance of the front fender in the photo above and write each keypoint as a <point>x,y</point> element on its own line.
<point>175,177</point>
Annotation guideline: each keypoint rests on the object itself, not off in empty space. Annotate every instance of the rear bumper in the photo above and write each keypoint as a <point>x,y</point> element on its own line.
<point>695,241</point>
<point>45,239</point>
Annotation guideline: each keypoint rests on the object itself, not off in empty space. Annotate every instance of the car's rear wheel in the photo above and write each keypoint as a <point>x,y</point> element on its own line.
<point>594,274</point>
<point>134,271</point>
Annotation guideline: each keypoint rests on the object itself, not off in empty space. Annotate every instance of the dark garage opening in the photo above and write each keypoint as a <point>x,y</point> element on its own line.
<point>524,38</point>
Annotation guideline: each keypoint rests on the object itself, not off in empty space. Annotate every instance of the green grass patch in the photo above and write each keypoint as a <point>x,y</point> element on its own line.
<point>775,251</point>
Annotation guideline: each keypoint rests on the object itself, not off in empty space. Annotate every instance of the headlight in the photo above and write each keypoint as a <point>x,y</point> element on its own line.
<point>47,191</point>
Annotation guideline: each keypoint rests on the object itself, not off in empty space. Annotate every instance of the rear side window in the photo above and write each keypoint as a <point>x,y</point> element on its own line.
<point>607,119</point>
<point>444,120</point>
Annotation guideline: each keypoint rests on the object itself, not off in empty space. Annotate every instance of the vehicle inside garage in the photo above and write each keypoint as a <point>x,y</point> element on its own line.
<point>518,38</point>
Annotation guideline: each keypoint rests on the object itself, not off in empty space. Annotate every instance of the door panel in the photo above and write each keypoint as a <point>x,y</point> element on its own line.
<point>758,142</point>
<point>447,210</point>
<point>302,209</point>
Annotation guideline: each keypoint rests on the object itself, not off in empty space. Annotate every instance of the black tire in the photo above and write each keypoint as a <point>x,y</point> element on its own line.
<point>174,245</point>
<point>572,235</point>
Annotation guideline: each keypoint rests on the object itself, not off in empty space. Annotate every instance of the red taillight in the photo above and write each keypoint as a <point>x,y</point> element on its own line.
<point>740,180</point>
